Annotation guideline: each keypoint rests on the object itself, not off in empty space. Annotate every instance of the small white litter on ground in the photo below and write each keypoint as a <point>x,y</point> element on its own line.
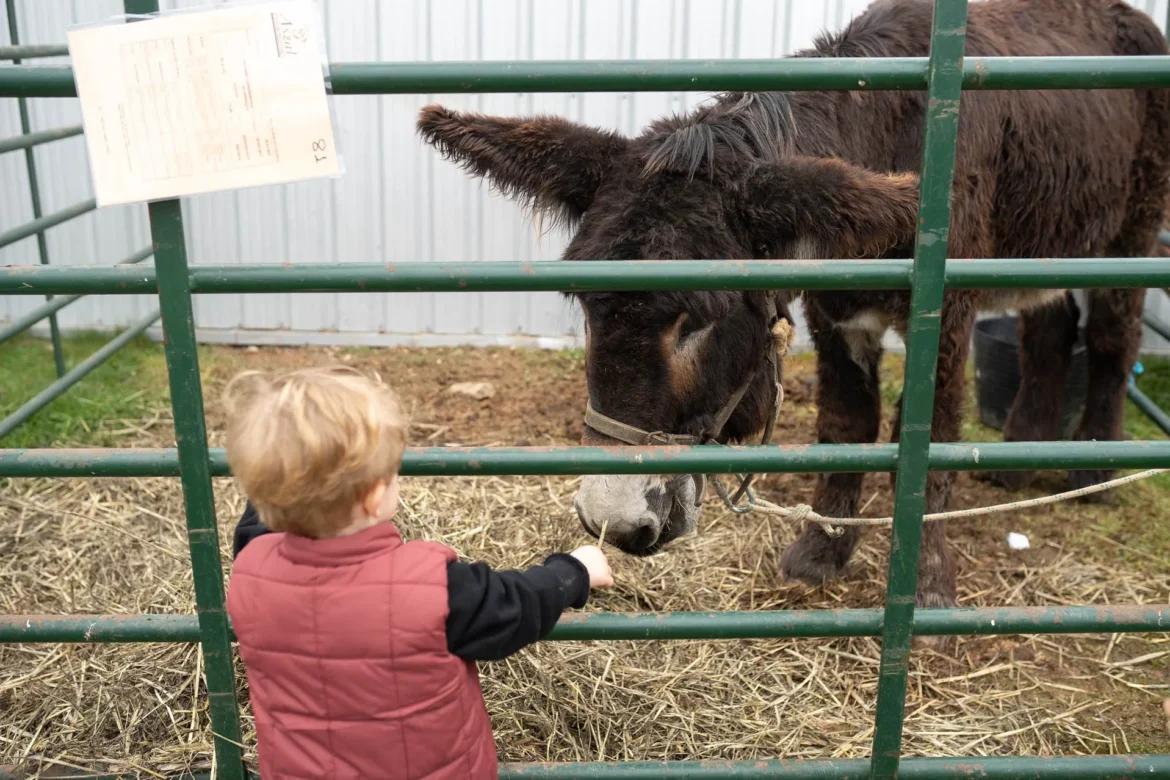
<point>1018,541</point>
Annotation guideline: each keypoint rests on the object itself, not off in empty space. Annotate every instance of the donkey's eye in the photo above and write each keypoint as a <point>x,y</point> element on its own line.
<point>692,328</point>
<point>686,332</point>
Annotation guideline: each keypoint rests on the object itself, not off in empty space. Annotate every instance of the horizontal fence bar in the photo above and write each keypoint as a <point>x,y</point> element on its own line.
<point>1118,767</point>
<point>985,768</point>
<point>1151,409</point>
<point>46,222</point>
<point>474,277</point>
<point>644,626</point>
<point>1057,273</point>
<point>579,276</point>
<point>74,375</point>
<point>792,73</point>
<point>30,140</point>
<point>373,78</point>
<point>860,622</point>
<point>55,305</point>
<point>593,275</point>
<point>99,628</point>
<point>1122,767</point>
<point>570,461</point>
<point>35,51</point>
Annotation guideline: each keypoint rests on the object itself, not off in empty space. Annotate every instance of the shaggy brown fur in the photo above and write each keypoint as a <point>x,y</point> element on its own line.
<point>834,174</point>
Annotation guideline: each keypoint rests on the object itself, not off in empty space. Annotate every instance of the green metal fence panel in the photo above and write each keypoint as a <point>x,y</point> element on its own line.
<point>943,74</point>
<point>166,226</point>
<point>568,461</point>
<point>667,625</point>
<point>948,36</point>
<point>593,275</point>
<point>34,191</point>
<point>27,141</point>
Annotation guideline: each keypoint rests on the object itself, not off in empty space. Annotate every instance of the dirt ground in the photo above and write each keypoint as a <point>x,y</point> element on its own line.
<point>617,700</point>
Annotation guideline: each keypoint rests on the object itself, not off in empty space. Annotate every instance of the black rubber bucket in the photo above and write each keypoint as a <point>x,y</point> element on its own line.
<point>997,375</point>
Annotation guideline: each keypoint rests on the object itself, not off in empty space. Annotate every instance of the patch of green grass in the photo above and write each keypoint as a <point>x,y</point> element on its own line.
<point>1150,499</point>
<point>128,388</point>
<point>1135,520</point>
<point>1155,383</point>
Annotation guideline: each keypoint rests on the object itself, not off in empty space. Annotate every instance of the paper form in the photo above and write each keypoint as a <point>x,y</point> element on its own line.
<point>197,102</point>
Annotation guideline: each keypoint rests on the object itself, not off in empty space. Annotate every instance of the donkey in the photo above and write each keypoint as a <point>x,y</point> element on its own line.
<point>835,174</point>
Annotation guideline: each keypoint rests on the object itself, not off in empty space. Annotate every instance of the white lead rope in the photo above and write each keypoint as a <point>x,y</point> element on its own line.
<point>834,526</point>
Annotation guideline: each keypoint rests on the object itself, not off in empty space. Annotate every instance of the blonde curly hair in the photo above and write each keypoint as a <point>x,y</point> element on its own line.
<point>306,445</point>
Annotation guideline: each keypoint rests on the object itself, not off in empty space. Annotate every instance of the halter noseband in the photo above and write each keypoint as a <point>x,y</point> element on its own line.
<point>629,434</point>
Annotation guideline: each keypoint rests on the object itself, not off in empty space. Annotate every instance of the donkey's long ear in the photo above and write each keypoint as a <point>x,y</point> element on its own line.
<point>548,164</point>
<point>814,208</point>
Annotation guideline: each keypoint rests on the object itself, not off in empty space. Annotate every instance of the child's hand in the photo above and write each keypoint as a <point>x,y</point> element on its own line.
<point>600,575</point>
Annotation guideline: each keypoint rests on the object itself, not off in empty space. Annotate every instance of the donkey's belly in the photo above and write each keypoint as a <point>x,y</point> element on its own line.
<point>863,331</point>
<point>998,301</point>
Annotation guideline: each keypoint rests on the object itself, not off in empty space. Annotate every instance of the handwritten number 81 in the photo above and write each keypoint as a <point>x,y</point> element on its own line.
<point>318,147</point>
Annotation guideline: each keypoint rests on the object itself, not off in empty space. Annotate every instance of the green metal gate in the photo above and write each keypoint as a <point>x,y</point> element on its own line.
<point>943,74</point>
<point>40,223</point>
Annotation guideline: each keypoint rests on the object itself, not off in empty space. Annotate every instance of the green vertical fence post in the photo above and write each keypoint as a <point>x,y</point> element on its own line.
<point>944,88</point>
<point>166,226</point>
<point>34,191</point>
<point>182,351</point>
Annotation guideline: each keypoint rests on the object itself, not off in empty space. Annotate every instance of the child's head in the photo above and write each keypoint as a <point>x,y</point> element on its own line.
<point>315,449</point>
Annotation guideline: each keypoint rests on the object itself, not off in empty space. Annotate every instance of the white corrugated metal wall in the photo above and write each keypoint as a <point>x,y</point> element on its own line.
<point>397,201</point>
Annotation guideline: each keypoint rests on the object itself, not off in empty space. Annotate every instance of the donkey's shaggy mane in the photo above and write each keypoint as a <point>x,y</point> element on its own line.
<point>737,126</point>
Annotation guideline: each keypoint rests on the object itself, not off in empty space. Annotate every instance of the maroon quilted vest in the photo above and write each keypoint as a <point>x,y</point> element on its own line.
<point>345,645</point>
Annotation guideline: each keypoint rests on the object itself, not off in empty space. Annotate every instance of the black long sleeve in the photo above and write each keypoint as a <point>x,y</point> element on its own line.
<point>493,614</point>
<point>247,529</point>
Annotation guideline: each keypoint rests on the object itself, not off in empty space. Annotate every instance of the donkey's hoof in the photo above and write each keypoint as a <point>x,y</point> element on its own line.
<point>1088,478</point>
<point>811,559</point>
<point>1012,480</point>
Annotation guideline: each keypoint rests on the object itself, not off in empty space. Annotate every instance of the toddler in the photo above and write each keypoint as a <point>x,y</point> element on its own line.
<point>360,649</point>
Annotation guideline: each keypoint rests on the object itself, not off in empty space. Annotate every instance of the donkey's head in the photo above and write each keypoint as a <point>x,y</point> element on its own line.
<point>721,183</point>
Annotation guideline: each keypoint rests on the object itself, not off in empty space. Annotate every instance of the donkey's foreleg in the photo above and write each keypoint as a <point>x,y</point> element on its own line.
<point>848,411</point>
<point>1113,336</point>
<point>1046,338</point>
<point>936,565</point>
